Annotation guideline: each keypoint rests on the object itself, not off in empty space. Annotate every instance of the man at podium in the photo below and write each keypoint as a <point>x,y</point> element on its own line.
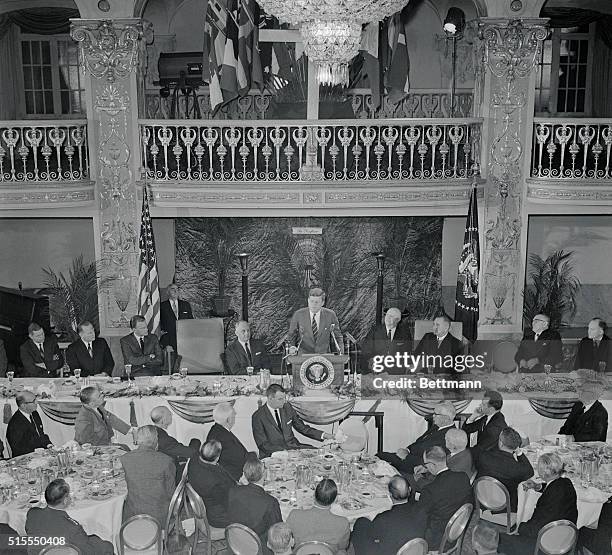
<point>315,330</point>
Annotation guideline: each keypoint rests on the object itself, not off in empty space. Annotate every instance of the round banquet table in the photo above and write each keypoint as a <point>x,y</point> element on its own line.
<point>590,497</point>
<point>97,486</point>
<point>365,496</point>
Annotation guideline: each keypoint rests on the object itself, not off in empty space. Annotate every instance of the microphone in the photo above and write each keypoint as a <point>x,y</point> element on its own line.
<point>282,340</point>
<point>332,328</point>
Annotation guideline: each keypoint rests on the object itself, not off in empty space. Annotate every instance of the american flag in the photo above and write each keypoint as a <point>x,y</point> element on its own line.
<point>148,297</point>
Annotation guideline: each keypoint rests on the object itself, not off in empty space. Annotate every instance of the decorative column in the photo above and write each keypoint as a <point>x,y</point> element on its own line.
<point>511,50</point>
<point>111,54</point>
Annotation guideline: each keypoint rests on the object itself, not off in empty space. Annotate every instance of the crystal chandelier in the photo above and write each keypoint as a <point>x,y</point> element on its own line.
<point>331,29</point>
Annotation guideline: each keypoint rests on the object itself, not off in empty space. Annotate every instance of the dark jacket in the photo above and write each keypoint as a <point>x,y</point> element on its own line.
<point>547,349</point>
<point>450,346</point>
<point>173,448</point>
<point>236,359</point>
<point>377,343</point>
<point>77,356</point>
<point>300,332</point>
<point>589,356</point>
<point>23,437</point>
<point>167,321</point>
<point>140,359</point>
<point>233,453</point>
<point>462,462</point>
<point>488,432</point>
<point>252,506</point>
<point>30,356</point>
<point>591,425</point>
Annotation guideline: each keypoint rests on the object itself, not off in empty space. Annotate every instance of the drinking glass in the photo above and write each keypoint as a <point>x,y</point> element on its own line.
<point>128,371</point>
<point>10,376</point>
<point>216,388</point>
<point>547,369</point>
<point>602,366</point>
<point>77,374</point>
<point>249,371</point>
<point>430,370</point>
<point>184,371</point>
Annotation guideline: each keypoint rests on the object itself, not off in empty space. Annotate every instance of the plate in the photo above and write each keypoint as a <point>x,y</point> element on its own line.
<point>352,505</point>
<point>101,494</point>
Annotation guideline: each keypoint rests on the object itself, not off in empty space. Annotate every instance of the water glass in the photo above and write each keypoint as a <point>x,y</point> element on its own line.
<point>128,371</point>
<point>602,366</point>
<point>216,388</point>
<point>10,376</point>
<point>249,371</point>
<point>547,369</point>
<point>184,371</point>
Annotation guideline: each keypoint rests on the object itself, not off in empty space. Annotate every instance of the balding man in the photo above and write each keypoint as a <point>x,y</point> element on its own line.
<point>233,453</point>
<point>440,342</point>
<point>389,338</point>
<point>594,350</point>
<point>245,351</point>
<point>540,346</point>
<point>25,430</point>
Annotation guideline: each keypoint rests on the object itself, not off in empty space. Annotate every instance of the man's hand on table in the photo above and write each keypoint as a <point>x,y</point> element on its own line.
<point>402,453</point>
<point>532,362</point>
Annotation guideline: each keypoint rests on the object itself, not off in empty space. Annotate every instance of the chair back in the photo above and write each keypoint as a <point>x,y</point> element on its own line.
<point>491,494</point>
<point>200,344</point>
<point>502,358</point>
<point>196,508</point>
<point>357,435</point>
<point>454,532</point>
<point>67,549</point>
<point>177,502</point>
<point>421,327</point>
<point>314,548</point>
<point>416,546</point>
<point>557,538</point>
<point>241,540</point>
<point>140,534</point>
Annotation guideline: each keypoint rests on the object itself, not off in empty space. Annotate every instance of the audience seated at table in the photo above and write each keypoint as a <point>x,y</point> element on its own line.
<point>389,338</point>
<point>274,421</point>
<point>233,453</point>
<point>539,346</point>
<point>41,356</point>
<point>440,342</point>
<point>443,497</point>
<point>598,541</point>
<point>53,521</point>
<point>94,424</point>
<point>280,539</point>
<point>487,421</point>
<point>506,464</point>
<point>557,502</point>
<point>485,540</point>
<point>245,351</point>
<point>150,477</point>
<point>594,349</point>
<point>212,482</point>
<point>141,349</point>
<point>319,523</point>
<point>588,419</point>
<point>25,432</point>
<point>407,458</point>
<point>170,311</point>
<point>90,353</point>
<point>250,504</point>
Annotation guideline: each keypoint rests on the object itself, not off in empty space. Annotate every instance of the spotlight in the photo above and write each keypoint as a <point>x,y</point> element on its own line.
<point>454,22</point>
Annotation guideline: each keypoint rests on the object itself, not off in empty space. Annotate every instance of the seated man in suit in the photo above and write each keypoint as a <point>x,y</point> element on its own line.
<point>53,521</point>
<point>540,346</point>
<point>94,424</point>
<point>388,338</point>
<point>596,541</point>
<point>588,420</point>
<point>407,458</point>
<point>212,482</point>
<point>507,464</point>
<point>487,421</point>
<point>24,432</point>
<point>315,329</point>
<point>250,504</point>
<point>141,349</point>
<point>40,354</point>
<point>319,523</point>
<point>244,351</point>
<point>273,425</point>
<point>594,350</point>
<point>233,454</point>
<point>90,353</point>
<point>169,312</point>
<point>441,344</point>
<point>280,539</point>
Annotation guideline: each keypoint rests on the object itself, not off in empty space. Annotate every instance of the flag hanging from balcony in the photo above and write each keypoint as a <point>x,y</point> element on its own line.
<point>397,74</point>
<point>466,297</point>
<point>371,60</point>
<point>148,282</point>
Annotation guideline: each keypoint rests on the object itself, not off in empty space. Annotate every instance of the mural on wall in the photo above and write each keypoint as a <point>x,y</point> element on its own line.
<point>290,255</point>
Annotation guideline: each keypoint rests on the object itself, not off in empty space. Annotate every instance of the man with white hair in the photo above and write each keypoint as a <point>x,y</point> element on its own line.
<point>588,419</point>
<point>459,455</point>
<point>245,351</point>
<point>234,452</point>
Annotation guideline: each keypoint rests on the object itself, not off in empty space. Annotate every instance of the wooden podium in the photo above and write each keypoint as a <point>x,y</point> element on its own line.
<point>318,371</point>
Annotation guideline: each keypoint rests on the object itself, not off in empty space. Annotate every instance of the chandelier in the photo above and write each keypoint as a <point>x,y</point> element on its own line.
<point>331,29</point>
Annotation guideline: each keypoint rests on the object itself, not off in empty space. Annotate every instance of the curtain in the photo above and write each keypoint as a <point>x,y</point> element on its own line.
<point>43,21</point>
<point>8,84</point>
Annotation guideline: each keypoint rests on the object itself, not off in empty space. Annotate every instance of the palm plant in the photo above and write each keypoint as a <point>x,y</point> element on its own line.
<point>553,290</point>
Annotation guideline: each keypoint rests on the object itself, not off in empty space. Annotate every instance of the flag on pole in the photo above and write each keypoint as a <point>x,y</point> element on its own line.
<point>250,71</point>
<point>214,48</point>
<point>232,77</point>
<point>371,60</point>
<point>148,282</point>
<point>466,296</point>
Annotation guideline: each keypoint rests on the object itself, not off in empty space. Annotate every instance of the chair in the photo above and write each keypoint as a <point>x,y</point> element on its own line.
<point>357,433</point>
<point>173,520</point>
<point>502,359</point>
<point>416,546</point>
<point>452,541</point>
<point>200,344</point>
<point>204,532</point>
<point>241,540</point>
<point>314,547</point>
<point>67,549</point>
<point>494,496</point>
<point>558,537</point>
<point>140,534</point>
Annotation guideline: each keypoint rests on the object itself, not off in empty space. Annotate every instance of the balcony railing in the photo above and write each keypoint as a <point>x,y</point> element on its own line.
<point>324,150</point>
<point>43,151</point>
<point>572,149</point>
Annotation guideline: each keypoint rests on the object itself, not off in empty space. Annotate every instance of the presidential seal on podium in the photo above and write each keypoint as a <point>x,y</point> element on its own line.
<point>316,372</point>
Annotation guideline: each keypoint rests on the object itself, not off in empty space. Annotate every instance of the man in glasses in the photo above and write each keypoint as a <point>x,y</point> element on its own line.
<point>25,429</point>
<point>539,347</point>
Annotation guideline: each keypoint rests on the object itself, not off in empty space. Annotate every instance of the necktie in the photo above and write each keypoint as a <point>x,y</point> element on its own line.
<point>249,355</point>
<point>535,337</point>
<point>89,350</point>
<point>389,335</point>
<point>175,308</point>
<point>34,424</point>
<point>101,414</point>
<point>315,328</point>
<point>278,420</point>
<point>41,349</point>
<point>141,341</point>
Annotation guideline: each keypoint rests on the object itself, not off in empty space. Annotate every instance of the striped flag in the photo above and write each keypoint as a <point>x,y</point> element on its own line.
<point>468,277</point>
<point>148,282</point>
<point>232,77</point>
<point>214,49</point>
<point>249,71</point>
<point>397,76</point>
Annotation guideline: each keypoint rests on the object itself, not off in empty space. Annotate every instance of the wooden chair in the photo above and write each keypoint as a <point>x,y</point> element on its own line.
<point>452,541</point>
<point>141,534</point>
<point>314,547</point>
<point>416,546</point>
<point>173,520</point>
<point>204,532</point>
<point>558,537</point>
<point>491,494</point>
<point>67,549</point>
<point>241,540</point>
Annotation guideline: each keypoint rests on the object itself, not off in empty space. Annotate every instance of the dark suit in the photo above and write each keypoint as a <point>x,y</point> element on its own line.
<point>488,432</point>
<point>167,321</point>
<point>233,453</point>
<point>30,356</point>
<point>502,466</point>
<point>591,425</point>
<point>547,349</point>
<point>56,523</point>
<point>589,356</point>
<point>462,462</point>
<point>269,438</point>
<point>236,358</point>
<point>140,359</point>
<point>3,359</point>
<point>212,483</point>
<point>378,343</point>
<point>23,436</point>
<point>77,356</point>
<point>450,346</point>
<point>178,452</point>
<point>300,332</point>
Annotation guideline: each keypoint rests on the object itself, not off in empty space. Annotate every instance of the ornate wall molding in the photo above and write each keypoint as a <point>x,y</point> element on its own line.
<point>57,197</point>
<point>586,193</point>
